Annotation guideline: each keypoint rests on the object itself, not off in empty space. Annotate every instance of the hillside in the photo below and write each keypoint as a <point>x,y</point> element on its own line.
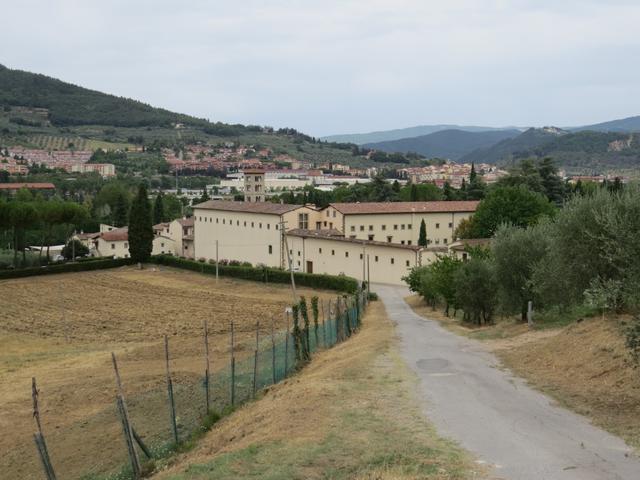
<point>515,147</point>
<point>400,133</point>
<point>37,111</point>
<point>451,144</point>
<point>69,104</point>
<point>630,124</point>
<point>582,151</point>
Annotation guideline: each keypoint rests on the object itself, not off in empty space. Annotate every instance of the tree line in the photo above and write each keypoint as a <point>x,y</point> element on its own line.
<point>580,258</point>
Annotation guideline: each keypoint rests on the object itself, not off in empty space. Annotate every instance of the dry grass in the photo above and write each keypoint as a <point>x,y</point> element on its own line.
<point>584,366</point>
<point>127,311</point>
<point>351,414</point>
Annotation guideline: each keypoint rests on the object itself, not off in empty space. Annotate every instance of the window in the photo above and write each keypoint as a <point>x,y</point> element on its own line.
<point>353,228</point>
<point>161,245</point>
<point>371,238</point>
<point>325,224</point>
<point>298,262</point>
<point>245,223</point>
<point>384,227</point>
<point>346,254</point>
<point>320,250</point>
<point>408,242</point>
<point>223,221</point>
<point>371,228</point>
<point>303,221</point>
<point>376,259</point>
<point>389,239</point>
<point>334,214</point>
<point>445,241</point>
<point>290,252</point>
<point>437,225</point>
<point>327,213</point>
<point>251,224</point>
<point>362,228</point>
<point>361,256</point>
<point>126,245</point>
<point>392,261</point>
<point>238,223</point>
<point>260,225</point>
<point>409,226</point>
<point>331,225</point>
<point>408,264</point>
<point>113,246</point>
<point>437,241</point>
<point>395,227</point>
<point>450,224</point>
<point>333,252</point>
<point>402,226</point>
<point>298,252</point>
<point>270,249</point>
<point>268,226</point>
<point>401,242</point>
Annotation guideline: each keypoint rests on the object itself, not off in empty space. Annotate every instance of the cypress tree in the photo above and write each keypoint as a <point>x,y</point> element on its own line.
<point>296,333</point>
<point>422,239</point>
<point>158,209</point>
<point>314,310</point>
<point>121,211</point>
<point>140,227</point>
<point>305,318</point>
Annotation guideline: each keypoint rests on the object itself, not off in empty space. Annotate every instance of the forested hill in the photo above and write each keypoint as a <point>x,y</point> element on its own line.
<point>70,105</point>
<point>451,144</point>
<point>579,151</point>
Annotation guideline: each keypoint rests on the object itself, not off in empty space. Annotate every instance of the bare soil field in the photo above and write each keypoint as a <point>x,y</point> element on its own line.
<point>584,366</point>
<point>62,328</point>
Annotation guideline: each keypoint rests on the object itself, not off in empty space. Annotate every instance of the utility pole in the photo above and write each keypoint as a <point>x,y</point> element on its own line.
<point>368,277</point>
<point>364,278</point>
<point>286,245</point>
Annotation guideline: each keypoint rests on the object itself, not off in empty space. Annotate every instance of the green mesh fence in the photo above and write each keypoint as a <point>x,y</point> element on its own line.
<point>73,451</point>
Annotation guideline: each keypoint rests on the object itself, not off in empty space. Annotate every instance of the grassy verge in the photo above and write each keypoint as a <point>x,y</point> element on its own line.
<point>351,413</point>
<point>578,359</point>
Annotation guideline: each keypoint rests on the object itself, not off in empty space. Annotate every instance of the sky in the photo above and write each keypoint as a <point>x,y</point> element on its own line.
<point>342,66</point>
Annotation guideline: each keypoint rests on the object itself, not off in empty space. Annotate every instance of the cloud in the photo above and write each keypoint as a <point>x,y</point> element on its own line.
<point>335,65</point>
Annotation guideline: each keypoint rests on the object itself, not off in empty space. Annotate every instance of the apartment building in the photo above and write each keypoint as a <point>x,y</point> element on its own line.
<point>181,232</point>
<point>254,185</point>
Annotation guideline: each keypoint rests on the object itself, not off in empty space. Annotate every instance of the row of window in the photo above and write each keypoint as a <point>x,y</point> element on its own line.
<point>346,255</point>
<point>244,223</point>
<point>402,226</point>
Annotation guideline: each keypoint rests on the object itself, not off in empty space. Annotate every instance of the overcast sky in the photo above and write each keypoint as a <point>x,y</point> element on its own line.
<point>339,66</point>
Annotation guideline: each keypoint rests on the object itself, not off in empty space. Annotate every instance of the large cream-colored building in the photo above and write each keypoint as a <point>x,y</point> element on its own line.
<point>333,240</point>
<point>398,222</point>
<point>246,231</point>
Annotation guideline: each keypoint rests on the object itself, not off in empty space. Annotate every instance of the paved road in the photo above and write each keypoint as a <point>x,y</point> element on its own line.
<point>495,415</point>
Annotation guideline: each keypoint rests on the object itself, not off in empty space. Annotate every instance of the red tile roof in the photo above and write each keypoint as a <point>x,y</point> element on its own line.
<point>250,207</point>
<point>330,235</point>
<point>29,186</point>
<point>405,207</point>
<point>116,235</point>
<point>186,222</point>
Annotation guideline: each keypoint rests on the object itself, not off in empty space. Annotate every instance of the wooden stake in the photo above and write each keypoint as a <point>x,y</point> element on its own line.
<point>172,403</point>
<point>207,378</point>
<point>140,443</point>
<point>39,437</point>
<point>286,346</point>
<point>273,352</point>
<point>324,332</point>
<point>233,370</point>
<point>255,359</point>
<point>126,422</point>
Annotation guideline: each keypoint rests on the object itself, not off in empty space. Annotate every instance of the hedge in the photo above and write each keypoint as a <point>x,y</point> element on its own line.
<point>65,267</point>
<point>340,283</point>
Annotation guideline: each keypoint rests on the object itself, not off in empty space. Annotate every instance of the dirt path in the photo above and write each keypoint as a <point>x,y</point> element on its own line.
<point>517,430</point>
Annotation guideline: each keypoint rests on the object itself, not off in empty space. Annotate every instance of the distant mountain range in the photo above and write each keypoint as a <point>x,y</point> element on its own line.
<point>452,144</point>
<point>400,133</point>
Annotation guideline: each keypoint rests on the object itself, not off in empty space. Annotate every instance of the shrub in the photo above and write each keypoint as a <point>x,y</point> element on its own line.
<point>339,283</point>
<point>66,267</point>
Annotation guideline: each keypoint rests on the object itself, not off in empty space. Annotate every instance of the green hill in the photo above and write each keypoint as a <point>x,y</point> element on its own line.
<point>38,111</point>
<point>630,124</point>
<point>69,105</point>
<point>401,133</point>
<point>517,146</point>
<point>451,144</point>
